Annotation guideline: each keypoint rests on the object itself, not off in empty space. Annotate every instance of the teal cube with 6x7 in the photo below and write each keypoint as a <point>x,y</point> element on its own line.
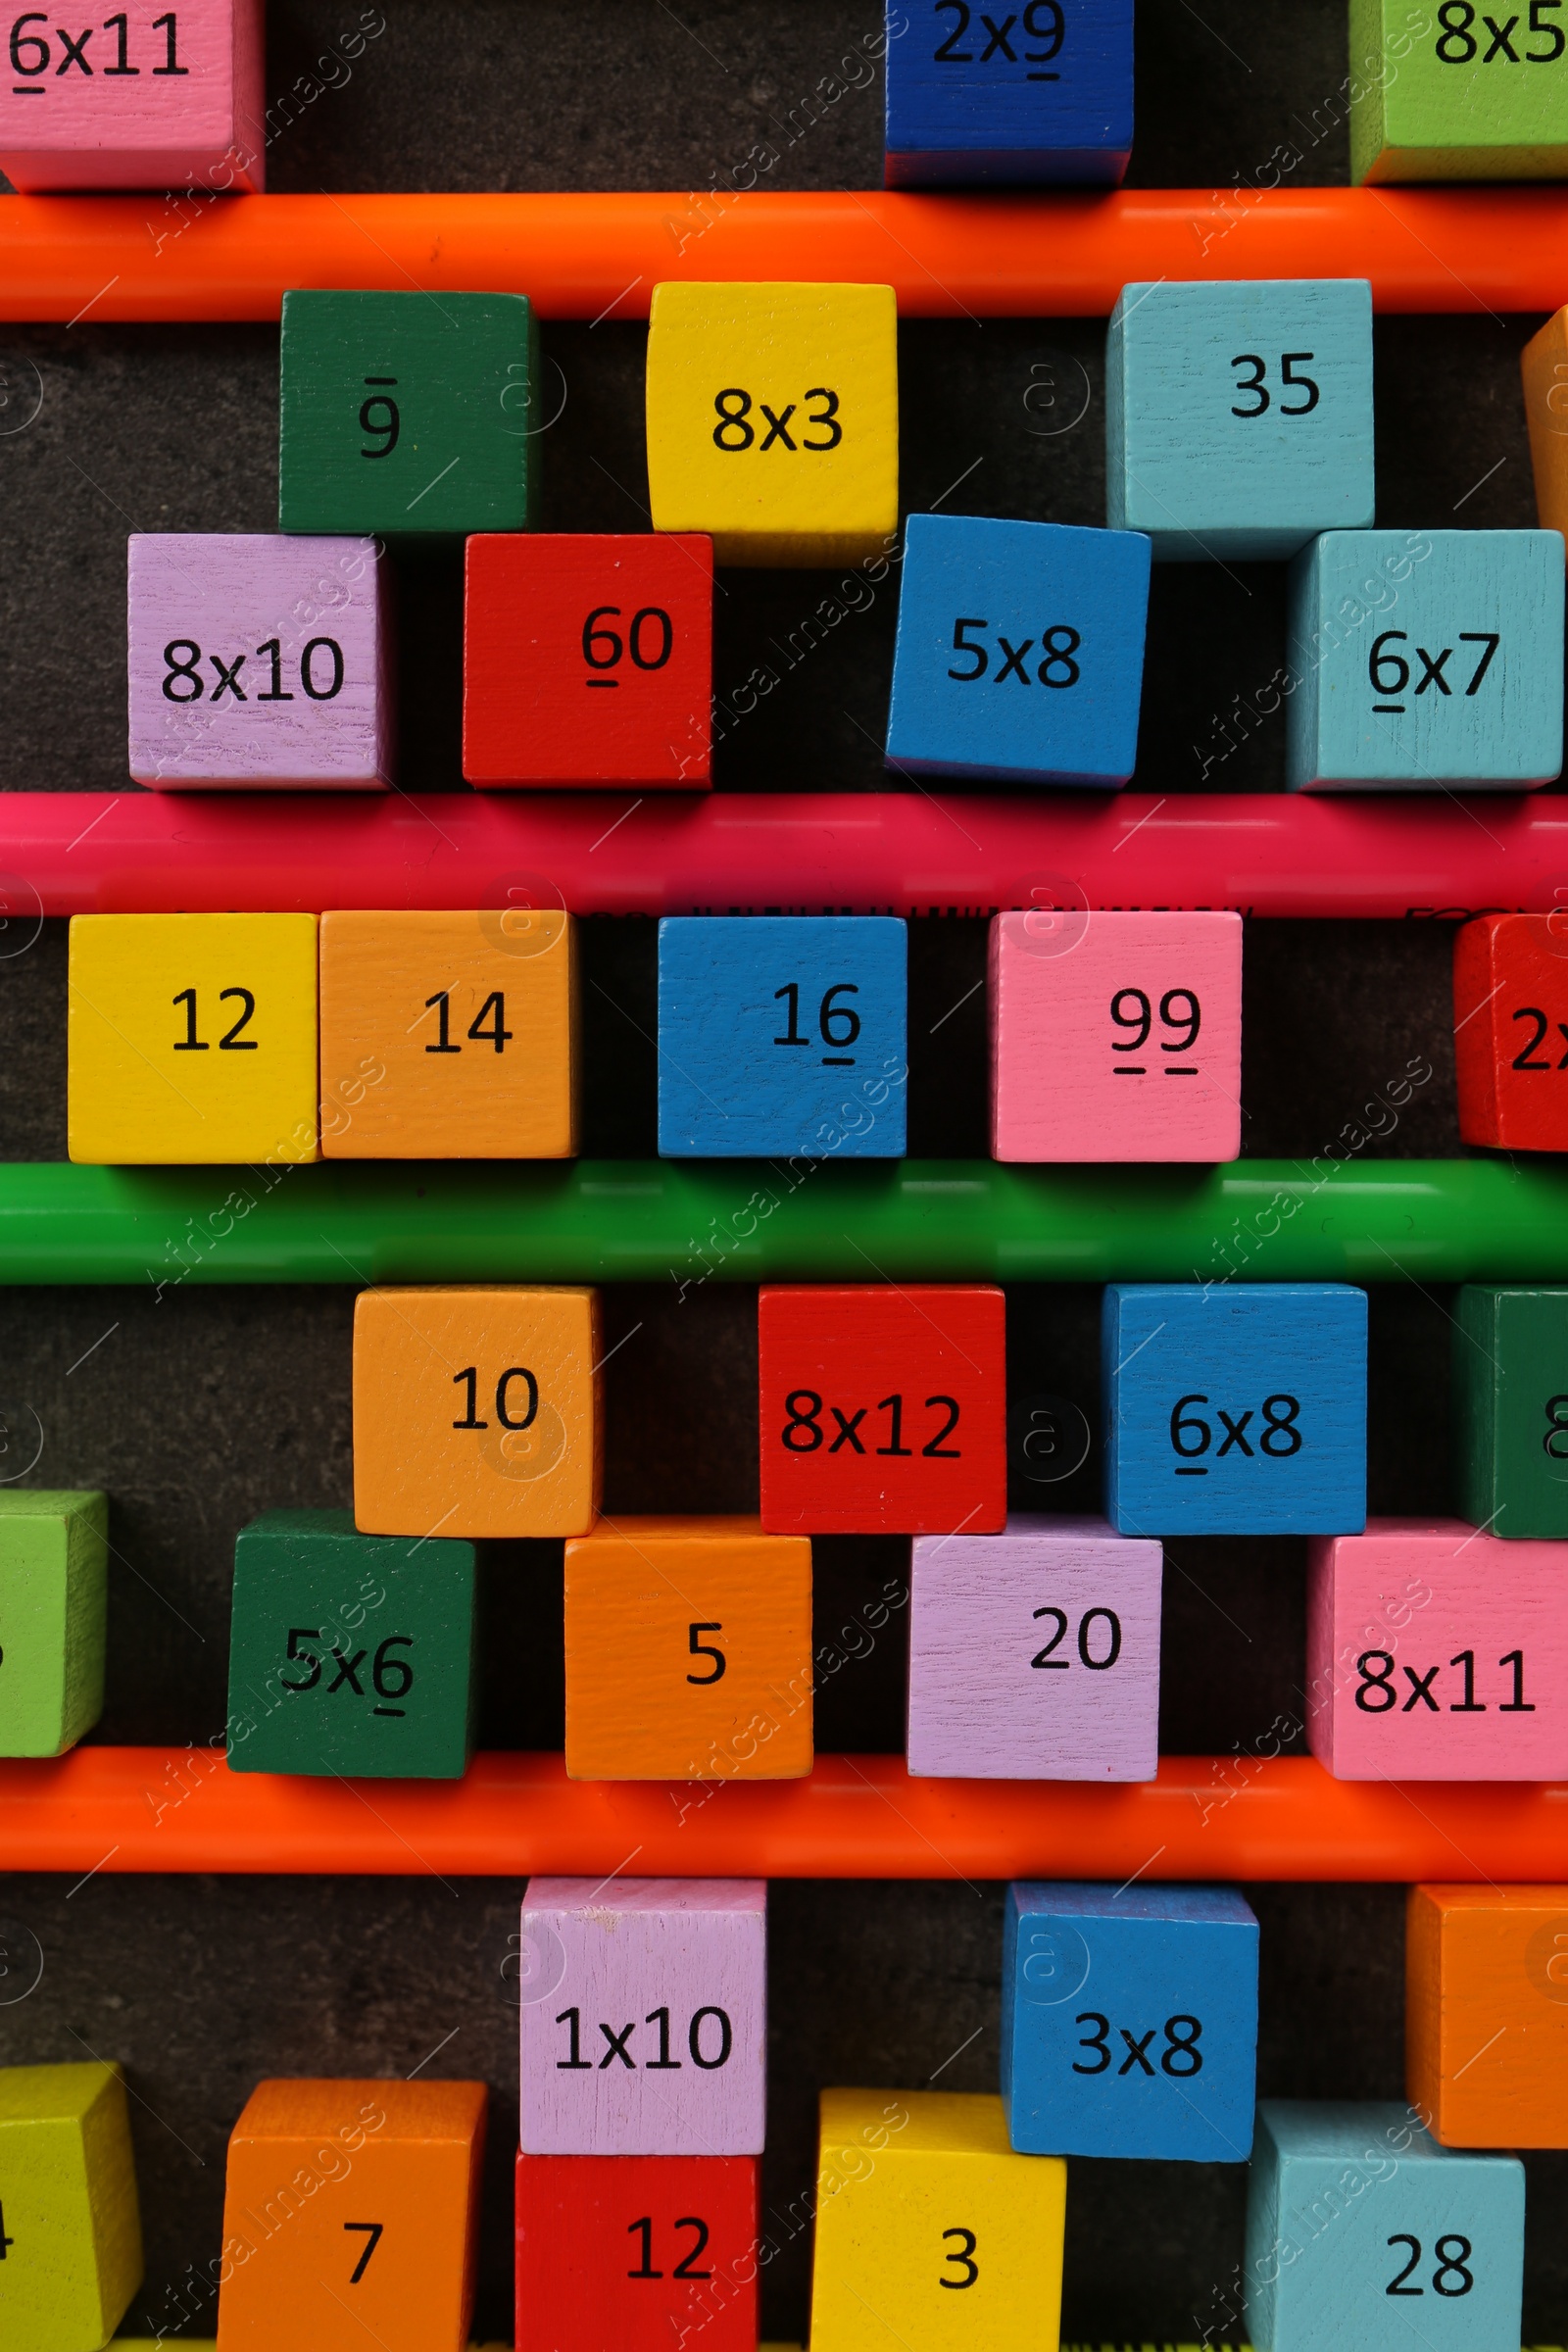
<point>350,1654</point>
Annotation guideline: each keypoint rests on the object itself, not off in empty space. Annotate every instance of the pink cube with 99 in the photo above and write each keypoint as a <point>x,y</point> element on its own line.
<point>1117,1036</point>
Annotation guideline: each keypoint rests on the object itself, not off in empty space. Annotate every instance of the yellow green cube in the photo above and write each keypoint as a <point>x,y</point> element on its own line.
<point>1453,91</point>
<point>69,2228</point>
<point>54,1597</point>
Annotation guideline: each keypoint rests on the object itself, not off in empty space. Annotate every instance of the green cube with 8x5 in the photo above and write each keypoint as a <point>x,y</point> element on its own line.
<point>350,1654</point>
<point>409,415</point>
<point>1453,91</point>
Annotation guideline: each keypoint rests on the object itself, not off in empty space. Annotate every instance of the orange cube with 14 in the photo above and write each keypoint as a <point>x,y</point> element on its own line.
<point>883,1409</point>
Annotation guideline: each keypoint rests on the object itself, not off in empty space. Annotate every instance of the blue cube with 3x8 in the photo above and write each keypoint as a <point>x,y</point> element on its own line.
<point>1019,652</point>
<point>1129,2022</point>
<point>1036,96</point>
<point>1425,659</point>
<point>1234,1408</point>
<point>1239,417</point>
<point>782,1034</point>
<point>1364,2235</point>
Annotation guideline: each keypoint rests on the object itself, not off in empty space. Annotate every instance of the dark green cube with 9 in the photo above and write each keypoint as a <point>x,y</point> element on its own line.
<point>350,1653</point>
<point>409,413</point>
<point>1510,1381</point>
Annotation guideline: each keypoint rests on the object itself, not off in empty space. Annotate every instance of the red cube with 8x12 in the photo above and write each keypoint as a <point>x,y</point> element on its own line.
<point>883,1409</point>
<point>588,659</point>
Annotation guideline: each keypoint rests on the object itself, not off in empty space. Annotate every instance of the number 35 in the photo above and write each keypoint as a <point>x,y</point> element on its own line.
<point>1254,383</point>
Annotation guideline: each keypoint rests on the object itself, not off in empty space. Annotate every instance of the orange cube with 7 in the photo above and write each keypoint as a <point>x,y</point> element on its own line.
<point>883,1409</point>
<point>1511,1031</point>
<point>476,1411</point>
<point>351,2216</point>
<point>447,1036</point>
<point>1485,2015</point>
<point>718,1616</point>
<point>588,658</point>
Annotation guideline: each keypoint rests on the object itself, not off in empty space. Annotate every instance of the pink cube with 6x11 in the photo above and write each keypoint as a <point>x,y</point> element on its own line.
<point>258,663</point>
<point>1115,1036</point>
<point>152,97</point>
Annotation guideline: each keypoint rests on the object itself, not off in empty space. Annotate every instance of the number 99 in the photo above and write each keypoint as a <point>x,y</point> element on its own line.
<point>1179,1008</point>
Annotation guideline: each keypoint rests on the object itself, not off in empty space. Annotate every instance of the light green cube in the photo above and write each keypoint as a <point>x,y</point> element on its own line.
<point>54,1606</point>
<point>1450,91</point>
<point>68,2215</point>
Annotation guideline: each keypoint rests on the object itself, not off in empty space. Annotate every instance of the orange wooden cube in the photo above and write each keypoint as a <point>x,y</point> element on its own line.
<point>1544,364</point>
<point>447,1036</point>
<point>687,1653</point>
<point>1486,2011</point>
<point>349,2218</point>
<point>476,1411</point>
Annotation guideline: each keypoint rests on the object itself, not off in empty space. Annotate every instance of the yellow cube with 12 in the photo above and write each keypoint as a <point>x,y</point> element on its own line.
<point>773,420</point>
<point>192,1039</point>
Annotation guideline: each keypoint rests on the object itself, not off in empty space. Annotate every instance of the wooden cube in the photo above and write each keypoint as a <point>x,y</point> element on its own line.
<point>930,2231</point>
<point>1239,417</point>
<point>53,1607</point>
<point>1436,1652</point>
<point>1034,1655</point>
<point>69,2228</point>
<point>1038,98</point>
<point>1510,1397</point>
<point>1543,366</point>
<point>718,1618</point>
<point>773,420</point>
<point>1425,659</point>
<point>1019,650</point>
<point>408,415</point>
<point>636,2253</point>
<point>152,99</point>
<point>1234,1408</point>
<point>448,1036</point>
<point>1153,998</point>
<point>1354,2215</point>
<point>1486,2014</point>
<point>647,1979</point>
<point>1129,2022</point>
<point>192,1039</point>
<point>1510,1015</point>
<point>883,1409</point>
<point>350,2212</point>
<point>782,1034</point>
<point>476,1411</point>
<point>588,658</point>
<point>258,664</point>
<point>350,1655</point>
<point>1451,93</point>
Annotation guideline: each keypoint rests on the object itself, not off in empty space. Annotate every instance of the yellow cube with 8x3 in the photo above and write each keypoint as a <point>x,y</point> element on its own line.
<point>192,1039</point>
<point>773,420</point>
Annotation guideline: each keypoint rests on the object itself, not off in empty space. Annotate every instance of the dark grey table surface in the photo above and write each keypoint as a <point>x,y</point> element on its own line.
<point>199,1412</point>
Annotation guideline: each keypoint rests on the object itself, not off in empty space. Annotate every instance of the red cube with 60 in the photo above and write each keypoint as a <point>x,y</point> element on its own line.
<point>883,1409</point>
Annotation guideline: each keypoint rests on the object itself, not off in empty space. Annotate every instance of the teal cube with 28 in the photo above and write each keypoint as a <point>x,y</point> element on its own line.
<point>1364,2235</point>
<point>350,1654</point>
